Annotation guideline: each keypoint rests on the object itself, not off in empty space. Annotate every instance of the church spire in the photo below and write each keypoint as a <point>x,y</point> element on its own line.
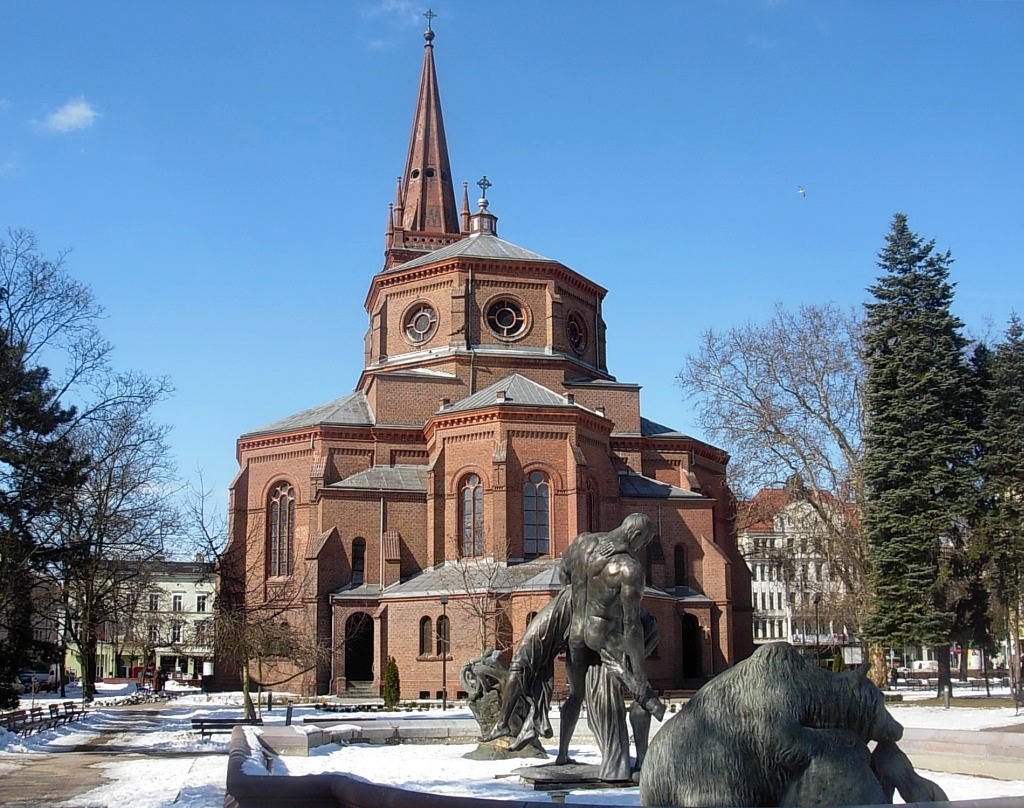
<point>426,215</point>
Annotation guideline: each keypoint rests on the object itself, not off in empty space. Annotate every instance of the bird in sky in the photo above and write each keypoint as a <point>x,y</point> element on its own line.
<point>800,190</point>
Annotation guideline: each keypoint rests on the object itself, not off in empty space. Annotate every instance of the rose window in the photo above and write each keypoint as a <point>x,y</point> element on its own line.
<point>506,318</point>
<point>420,323</point>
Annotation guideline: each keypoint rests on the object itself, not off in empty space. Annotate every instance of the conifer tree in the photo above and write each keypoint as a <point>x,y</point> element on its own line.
<point>918,444</point>
<point>392,687</point>
<point>37,471</point>
<point>1001,526</point>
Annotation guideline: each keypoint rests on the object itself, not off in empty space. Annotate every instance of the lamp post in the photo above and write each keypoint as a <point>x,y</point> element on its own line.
<point>816,599</point>
<point>442,638</point>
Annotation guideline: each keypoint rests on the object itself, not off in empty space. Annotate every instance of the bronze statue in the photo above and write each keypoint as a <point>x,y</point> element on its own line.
<point>597,621</point>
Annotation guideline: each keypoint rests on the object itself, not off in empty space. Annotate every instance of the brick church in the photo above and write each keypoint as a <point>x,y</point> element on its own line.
<point>426,511</point>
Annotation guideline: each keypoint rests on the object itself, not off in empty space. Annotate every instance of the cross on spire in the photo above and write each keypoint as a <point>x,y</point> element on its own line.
<point>429,14</point>
<point>484,184</point>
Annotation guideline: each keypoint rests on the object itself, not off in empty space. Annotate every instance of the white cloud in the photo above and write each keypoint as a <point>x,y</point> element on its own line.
<point>75,114</point>
<point>405,10</point>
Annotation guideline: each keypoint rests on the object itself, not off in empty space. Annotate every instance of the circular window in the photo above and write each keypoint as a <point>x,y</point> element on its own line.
<point>420,323</point>
<point>506,318</point>
<point>576,330</point>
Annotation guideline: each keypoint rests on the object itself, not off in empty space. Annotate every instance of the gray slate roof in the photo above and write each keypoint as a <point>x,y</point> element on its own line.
<point>539,574</point>
<point>350,410</point>
<point>518,390</point>
<point>478,245</point>
<point>652,429</point>
<point>387,478</point>
<point>636,486</point>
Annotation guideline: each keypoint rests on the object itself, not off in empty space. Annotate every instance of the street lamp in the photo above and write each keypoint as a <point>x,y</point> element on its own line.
<point>816,599</point>
<point>442,639</point>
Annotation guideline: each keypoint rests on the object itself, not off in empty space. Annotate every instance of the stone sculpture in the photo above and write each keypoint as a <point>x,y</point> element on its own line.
<point>778,730</point>
<point>597,621</point>
<point>485,680</point>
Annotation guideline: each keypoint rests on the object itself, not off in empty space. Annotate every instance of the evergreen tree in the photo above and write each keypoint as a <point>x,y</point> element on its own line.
<point>392,687</point>
<point>918,445</point>
<point>1001,526</point>
<point>37,472</point>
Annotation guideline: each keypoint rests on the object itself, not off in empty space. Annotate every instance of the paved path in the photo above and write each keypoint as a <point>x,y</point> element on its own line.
<point>64,772</point>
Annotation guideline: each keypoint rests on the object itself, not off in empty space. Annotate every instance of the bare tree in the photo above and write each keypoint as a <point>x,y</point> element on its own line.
<point>481,591</point>
<point>120,517</point>
<point>262,633</point>
<point>785,399</point>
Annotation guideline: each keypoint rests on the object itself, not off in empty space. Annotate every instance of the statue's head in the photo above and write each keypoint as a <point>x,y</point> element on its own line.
<point>639,531</point>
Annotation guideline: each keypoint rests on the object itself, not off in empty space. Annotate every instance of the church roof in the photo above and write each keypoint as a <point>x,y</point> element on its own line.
<point>387,478</point>
<point>477,245</point>
<point>518,390</point>
<point>636,486</point>
<point>427,197</point>
<point>350,410</point>
<point>652,429</point>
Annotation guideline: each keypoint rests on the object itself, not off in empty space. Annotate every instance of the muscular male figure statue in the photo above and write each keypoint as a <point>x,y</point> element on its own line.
<point>607,581</point>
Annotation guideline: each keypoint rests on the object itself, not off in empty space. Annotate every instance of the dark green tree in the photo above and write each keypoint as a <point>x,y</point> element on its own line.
<point>37,473</point>
<point>392,686</point>
<point>1001,526</point>
<point>918,461</point>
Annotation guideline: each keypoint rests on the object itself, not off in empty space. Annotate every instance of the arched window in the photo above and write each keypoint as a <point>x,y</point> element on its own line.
<point>443,637</point>
<point>679,563</point>
<point>536,515</point>
<point>591,506</point>
<point>281,530</point>
<point>472,506</point>
<point>358,561</point>
<point>426,637</point>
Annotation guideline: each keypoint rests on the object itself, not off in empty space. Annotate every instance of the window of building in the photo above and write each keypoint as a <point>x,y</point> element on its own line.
<point>131,602</point>
<point>201,603</point>
<point>420,323</point>
<point>592,515</point>
<point>472,505</point>
<point>358,561</point>
<point>154,602</point>
<point>175,632</point>
<point>506,318</point>
<point>177,602</point>
<point>153,632</point>
<point>679,564</point>
<point>576,330</point>
<point>202,629</point>
<point>281,529</point>
<point>426,637</point>
<point>536,515</point>
<point>443,636</point>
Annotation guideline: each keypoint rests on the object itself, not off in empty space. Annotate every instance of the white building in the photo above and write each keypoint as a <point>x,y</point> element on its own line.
<point>796,597</point>
<point>161,616</point>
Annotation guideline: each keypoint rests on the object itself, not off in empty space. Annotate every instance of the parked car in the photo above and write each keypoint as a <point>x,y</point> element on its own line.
<point>37,680</point>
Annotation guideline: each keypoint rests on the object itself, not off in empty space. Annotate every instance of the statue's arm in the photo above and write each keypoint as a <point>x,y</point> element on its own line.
<point>635,674</point>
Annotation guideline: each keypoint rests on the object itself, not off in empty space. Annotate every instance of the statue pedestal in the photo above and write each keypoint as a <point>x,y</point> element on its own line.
<point>552,777</point>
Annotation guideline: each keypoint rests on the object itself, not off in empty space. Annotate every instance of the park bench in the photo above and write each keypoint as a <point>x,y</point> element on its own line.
<point>13,720</point>
<point>73,711</point>
<point>221,726</point>
<point>37,721</point>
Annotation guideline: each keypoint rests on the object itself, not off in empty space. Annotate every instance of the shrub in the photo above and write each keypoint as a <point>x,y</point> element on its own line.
<point>392,690</point>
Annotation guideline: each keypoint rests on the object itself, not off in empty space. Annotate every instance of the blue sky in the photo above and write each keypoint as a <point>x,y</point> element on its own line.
<point>222,171</point>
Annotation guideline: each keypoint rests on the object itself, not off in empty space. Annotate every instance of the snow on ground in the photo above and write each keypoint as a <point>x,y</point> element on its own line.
<point>198,781</point>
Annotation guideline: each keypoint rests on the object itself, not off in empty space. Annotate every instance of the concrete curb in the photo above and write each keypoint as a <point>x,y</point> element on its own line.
<point>341,791</point>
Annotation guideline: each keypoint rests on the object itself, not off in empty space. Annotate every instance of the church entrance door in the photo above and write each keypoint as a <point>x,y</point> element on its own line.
<point>359,648</point>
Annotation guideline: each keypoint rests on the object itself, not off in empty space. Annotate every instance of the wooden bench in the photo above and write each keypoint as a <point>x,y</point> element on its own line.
<point>37,720</point>
<point>13,720</point>
<point>73,711</point>
<point>221,726</point>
